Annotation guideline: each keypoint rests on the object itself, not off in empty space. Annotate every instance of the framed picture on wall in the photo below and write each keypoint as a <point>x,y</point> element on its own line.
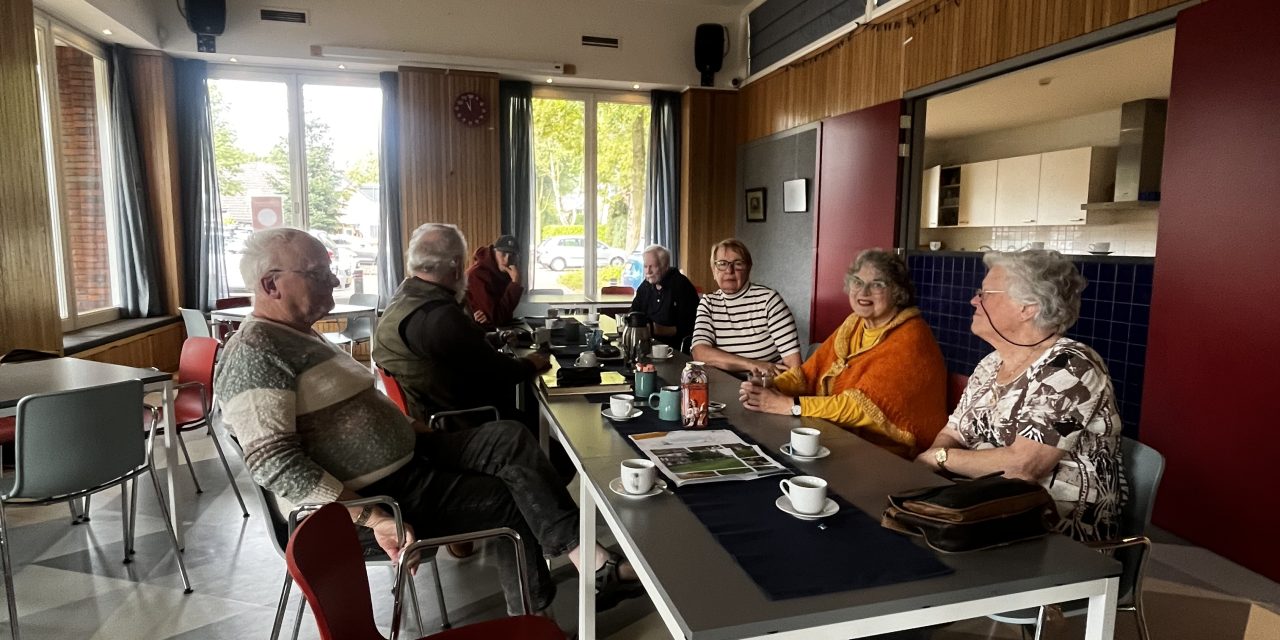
<point>755,205</point>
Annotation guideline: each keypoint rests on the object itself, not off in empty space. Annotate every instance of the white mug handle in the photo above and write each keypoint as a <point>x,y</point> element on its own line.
<point>785,485</point>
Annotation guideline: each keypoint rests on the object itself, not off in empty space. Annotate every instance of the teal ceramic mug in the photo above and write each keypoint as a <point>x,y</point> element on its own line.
<point>646,383</point>
<point>667,402</point>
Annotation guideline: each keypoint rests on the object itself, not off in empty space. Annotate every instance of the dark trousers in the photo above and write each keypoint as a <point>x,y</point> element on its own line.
<point>489,476</point>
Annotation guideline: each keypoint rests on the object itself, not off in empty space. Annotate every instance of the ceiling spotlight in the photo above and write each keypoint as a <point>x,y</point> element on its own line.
<point>106,32</point>
<point>342,66</point>
<point>635,86</point>
<point>549,80</point>
<point>1044,82</point>
<point>233,59</point>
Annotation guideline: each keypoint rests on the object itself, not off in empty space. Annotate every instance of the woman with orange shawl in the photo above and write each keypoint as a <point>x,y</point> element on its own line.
<point>881,374</point>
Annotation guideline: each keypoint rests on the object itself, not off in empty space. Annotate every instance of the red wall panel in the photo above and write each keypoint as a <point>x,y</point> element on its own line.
<point>857,204</point>
<point>1213,348</point>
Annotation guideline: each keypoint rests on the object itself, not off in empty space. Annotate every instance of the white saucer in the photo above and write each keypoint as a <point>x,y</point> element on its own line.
<point>660,359</point>
<point>822,452</point>
<point>659,485</point>
<point>784,503</point>
<point>1102,253</point>
<point>635,413</point>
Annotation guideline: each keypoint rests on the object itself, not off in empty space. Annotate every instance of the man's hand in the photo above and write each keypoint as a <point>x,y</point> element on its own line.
<point>480,317</point>
<point>512,272</point>
<point>384,533</point>
<point>541,361</point>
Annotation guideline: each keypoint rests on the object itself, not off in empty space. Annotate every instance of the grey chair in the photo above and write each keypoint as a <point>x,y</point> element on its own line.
<point>196,324</point>
<point>1144,467</point>
<point>73,444</point>
<point>280,527</point>
<point>358,329</point>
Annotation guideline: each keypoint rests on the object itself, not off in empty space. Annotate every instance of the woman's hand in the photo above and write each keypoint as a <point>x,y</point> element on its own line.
<point>928,457</point>
<point>384,533</point>
<point>763,399</point>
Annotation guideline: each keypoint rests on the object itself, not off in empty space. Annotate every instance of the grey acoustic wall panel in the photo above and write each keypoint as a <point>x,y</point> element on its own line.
<point>782,27</point>
<point>782,245</point>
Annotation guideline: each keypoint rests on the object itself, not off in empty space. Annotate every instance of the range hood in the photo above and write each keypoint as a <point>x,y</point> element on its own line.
<point>1139,158</point>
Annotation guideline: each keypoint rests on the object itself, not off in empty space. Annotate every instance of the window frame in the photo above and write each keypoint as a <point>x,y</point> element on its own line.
<point>591,98</point>
<point>50,34</point>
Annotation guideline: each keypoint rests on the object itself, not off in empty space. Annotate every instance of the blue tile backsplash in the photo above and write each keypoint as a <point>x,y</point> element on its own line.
<point>1114,315</point>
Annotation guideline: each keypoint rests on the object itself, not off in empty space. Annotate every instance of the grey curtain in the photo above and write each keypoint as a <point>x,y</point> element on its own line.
<point>390,236</point>
<point>663,198</point>
<point>204,274</point>
<point>516,134</point>
<point>141,294</point>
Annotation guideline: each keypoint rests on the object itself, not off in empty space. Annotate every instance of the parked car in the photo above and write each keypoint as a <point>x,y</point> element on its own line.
<point>359,251</point>
<point>339,259</point>
<point>563,252</point>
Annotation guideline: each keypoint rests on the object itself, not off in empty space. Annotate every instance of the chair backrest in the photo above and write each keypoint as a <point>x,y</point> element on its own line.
<point>72,441</point>
<point>1144,468</point>
<point>196,365</point>
<point>26,355</point>
<point>956,384</point>
<point>360,328</point>
<point>617,290</point>
<point>232,302</point>
<point>364,300</point>
<point>392,388</point>
<point>545,292</point>
<point>324,558</point>
<point>194,321</point>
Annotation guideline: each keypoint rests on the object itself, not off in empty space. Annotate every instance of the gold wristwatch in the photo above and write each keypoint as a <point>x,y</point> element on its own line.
<point>940,456</point>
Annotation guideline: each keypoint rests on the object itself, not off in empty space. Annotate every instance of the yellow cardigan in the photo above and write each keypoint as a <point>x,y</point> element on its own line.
<point>889,388</point>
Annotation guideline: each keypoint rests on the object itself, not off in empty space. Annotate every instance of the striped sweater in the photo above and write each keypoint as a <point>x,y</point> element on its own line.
<point>308,416</point>
<point>753,323</point>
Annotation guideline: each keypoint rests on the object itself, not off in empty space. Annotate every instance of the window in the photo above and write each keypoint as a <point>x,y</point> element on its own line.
<point>588,143</point>
<point>74,110</point>
<point>300,151</point>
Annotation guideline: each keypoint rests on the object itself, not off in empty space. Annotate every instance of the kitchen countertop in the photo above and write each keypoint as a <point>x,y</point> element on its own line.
<point>1079,257</point>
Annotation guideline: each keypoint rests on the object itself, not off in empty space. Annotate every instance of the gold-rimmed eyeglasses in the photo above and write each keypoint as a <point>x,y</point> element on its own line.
<point>724,265</point>
<point>983,293</point>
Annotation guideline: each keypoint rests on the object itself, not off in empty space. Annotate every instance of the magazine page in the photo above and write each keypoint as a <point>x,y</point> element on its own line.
<point>705,455</point>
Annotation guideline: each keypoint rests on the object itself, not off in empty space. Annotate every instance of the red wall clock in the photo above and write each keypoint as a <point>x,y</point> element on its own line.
<point>470,109</point>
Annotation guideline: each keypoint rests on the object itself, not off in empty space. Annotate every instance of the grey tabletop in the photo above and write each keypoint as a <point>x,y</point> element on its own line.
<point>714,598</point>
<point>21,379</point>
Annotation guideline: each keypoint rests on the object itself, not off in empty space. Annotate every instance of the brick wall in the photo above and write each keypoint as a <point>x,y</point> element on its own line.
<point>83,205</point>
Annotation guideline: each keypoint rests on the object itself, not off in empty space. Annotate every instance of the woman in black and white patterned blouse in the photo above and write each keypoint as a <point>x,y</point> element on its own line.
<point>1041,406</point>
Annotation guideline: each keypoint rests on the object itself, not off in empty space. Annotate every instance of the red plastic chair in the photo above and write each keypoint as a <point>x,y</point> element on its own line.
<point>606,291</point>
<point>956,383</point>
<point>324,558</point>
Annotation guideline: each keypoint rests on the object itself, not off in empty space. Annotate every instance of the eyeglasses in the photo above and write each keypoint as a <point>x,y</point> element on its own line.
<point>725,265</point>
<point>983,293</point>
<point>320,274</point>
<point>857,285</point>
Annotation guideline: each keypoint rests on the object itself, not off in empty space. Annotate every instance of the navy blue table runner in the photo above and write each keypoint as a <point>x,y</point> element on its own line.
<point>785,556</point>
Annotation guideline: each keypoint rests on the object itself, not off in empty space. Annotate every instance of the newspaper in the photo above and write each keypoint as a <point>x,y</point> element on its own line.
<point>705,455</point>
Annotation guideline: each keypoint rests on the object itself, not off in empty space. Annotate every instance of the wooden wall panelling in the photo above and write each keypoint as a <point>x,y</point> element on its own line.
<point>708,161</point>
<point>449,172</point>
<point>29,314</point>
<point>151,81</point>
<point>159,348</point>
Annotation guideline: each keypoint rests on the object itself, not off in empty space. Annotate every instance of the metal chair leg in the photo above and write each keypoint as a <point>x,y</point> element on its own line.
<point>190,467</point>
<point>231,478</point>
<point>297,620</point>
<point>168,525</point>
<point>124,519</point>
<point>1040,621</point>
<point>444,611</point>
<point>8,575</point>
<point>281,606</point>
<point>133,517</point>
<point>1142,618</point>
<point>417,612</point>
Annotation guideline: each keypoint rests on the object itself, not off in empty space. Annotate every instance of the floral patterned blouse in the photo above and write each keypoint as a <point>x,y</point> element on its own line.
<point>1064,399</point>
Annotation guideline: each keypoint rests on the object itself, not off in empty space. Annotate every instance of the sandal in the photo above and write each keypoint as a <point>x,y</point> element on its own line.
<point>610,587</point>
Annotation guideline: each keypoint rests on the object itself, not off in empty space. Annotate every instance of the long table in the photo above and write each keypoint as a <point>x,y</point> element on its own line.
<point>21,379</point>
<point>701,592</point>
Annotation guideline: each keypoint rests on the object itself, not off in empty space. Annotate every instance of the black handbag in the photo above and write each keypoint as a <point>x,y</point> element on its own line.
<point>982,513</point>
<point>577,376</point>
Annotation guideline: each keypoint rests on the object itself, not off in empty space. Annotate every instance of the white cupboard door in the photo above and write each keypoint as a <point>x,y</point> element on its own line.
<point>1064,186</point>
<point>929,196</point>
<point>1017,190</point>
<point>978,194</point>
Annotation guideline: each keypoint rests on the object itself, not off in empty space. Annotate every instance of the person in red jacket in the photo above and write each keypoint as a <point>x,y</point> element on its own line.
<point>493,282</point>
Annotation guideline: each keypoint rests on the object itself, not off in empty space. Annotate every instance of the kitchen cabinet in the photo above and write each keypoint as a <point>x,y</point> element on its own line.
<point>1017,191</point>
<point>929,196</point>
<point>1070,178</point>
<point>978,194</point>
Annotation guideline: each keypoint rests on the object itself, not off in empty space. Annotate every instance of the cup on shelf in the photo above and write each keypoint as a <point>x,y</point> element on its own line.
<point>1036,245</point>
<point>935,245</point>
<point>1100,247</point>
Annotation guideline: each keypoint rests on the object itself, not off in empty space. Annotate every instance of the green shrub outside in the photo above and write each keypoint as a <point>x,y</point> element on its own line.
<point>572,280</point>
<point>554,230</point>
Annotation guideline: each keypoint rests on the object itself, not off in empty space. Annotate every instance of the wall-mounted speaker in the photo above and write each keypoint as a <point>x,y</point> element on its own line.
<point>709,47</point>
<point>206,17</point>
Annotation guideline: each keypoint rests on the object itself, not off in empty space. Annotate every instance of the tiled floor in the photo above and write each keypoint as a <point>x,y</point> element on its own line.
<point>71,582</point>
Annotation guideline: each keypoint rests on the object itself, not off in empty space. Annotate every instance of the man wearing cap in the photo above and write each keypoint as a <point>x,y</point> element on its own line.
<point>493,282</point>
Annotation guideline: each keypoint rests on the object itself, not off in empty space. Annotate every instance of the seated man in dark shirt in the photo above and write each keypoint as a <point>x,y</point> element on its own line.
<point>436,351</point>
<point>667,297</point>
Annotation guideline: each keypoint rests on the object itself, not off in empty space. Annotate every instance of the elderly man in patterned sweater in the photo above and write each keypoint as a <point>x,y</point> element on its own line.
<point>315,429</point>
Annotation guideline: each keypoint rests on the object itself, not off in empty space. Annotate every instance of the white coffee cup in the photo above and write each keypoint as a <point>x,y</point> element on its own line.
<point>621,404</point>
<point>935,245</point>
<point>660,350</point>
<point>1036,245</point>
<point>808,494</point>
<point>586,359</point>
<point>804,441</point>
<point>638,475</point>
<point>541,335</point>
<point>1100,246</point>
